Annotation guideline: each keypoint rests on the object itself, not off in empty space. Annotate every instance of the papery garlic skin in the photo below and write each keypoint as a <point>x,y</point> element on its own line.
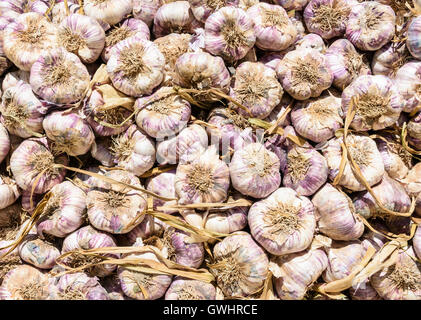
<point>163,184</point>
<point>304,73</point>
<point>389,58</point>
<point>4,142</point>
<point>203,9</point>
<point>114,208</point>
<point>274,31</point>
<point>163,114</point>
<point>28,37</point>
<point>69,133</point>
<point>108,11</point>
<point>378,103</point>
<point>12,78</point>
<point>345,63</point>
<point>254,171</point>
<point>241,266</point>
<point>205,179</point>
<point>256,87</point>
<point>9,191</point>
<point>135,66</point>
<point>145,10</point>
<point>412,42</point>
<point>370,25</point>
<point>296,5</point>
<point>408,83</point>
<point>336,214</point>
<point>59,77</point>
<point>283,223</point>
<point>30,159</point>
<point>229,33</point>
<point>21,111</point>
<point>38,253</point>
<point>186,289</point>
<point>365,153</point>
<point>64,211</point>
<point>83,36</point>
<point>397,161</point>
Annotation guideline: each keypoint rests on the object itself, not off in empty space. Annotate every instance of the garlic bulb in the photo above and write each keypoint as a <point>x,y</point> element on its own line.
<point>24,6</point>
<point>254,171</point>
<point>310,41</point>
<point>68,132</point>
<point>186,289</point>
<point>12,78</point>
<point>9,191</point>
<point>408,83</point>
<point>304,73</point>
<point>345,63</point>
<point>296,5</point>
<point>283,223</point>
<point>28,37</point>
<point>135,66</point>
<point>389,58</point>
<point>149,227</point>
<point>162,114</point>
<point>21,111</point>
<point>201,71</point>
<point>145,10</point>
<point>229,33</point>
<point>273,29</point>
<point>185,147</point>
<point>37,252</point>
<point>174,17</point>
<point>401,281</point>
<point>203,9</point>
<point>83,36</point>
<point>378,104</point>
<point>4,143</point>
<point>336,214</point>
<point>240,266</point>
<point>64,211</point>
<point>364,152</point>
<point>412,41</point>
<point>33,166</point>
<point>327,18</point>
<point>306,170</point>
<point>25,283</point>
<point>205,179</point>
<point>416,242</point>
<point>88,238</point>
<point>79,286</point>
<point>397,161</point>
<point>114,208</point>
<point>370,25</point>
<point>257,88</point>
<point>163,184</point>
<point>108,11</point>
<point>128,28</point>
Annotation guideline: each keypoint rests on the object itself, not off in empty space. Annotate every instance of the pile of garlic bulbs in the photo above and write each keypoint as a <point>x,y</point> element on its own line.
<point>210,150</point>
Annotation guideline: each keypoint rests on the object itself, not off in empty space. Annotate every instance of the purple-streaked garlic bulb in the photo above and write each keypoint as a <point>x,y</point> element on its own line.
<point>240,266</point>
<point>306,170</point>
<point>408,83</point>
<point>21,111</point>
<point>184,148</point>
<point>84,181</point>
<point>304,73</point>
<point>389,58</point>
<point>174,17</point>
<point>397,161</point>
<point>336,216</point>
<point>64,211</point>
<point>370,25</point>
<point>172,46</point>
<point>201,71</point>
<point>128,28</point>
<point>12,78</point>
<point>114,208</point>
<point>23,6</point>
<point>9,191</point>
<point>274,31</point>
<point>310,41</point>
<point>296,5</point>
<point>100,151</point>
<point>145,10</point>
<point>37,252</point>
<point>59,11</point>
<point>187,289</point>
<point>108,11</point>
<point>203,9</point>
<point>378,103</point>
<point>136,66</point>
<point>25,283</point>
<point>364,151</point>
<point>33,166</point>
<point>327,18</point>
<point>205,179</point>
<point>283,223</point>
<point>163,184</point>
<point>295,273</point>
<point>254,171</point>
<point>318,119</point>
<point>400,281</point>
<point>149,227</point>
<point>414,131</point>
<point>345,63</point>
<point>79,286</point>
<point>257,88</point>
<point>68,132</point>
<point>83,36</point>
<point>88,238</point>
<point>162,114</point>
<point>229,33</point>
<point>271,59</point>
<point>28,37</point>
<point>416,242</point>
<point>412,41</point>
<point>59,77</point>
